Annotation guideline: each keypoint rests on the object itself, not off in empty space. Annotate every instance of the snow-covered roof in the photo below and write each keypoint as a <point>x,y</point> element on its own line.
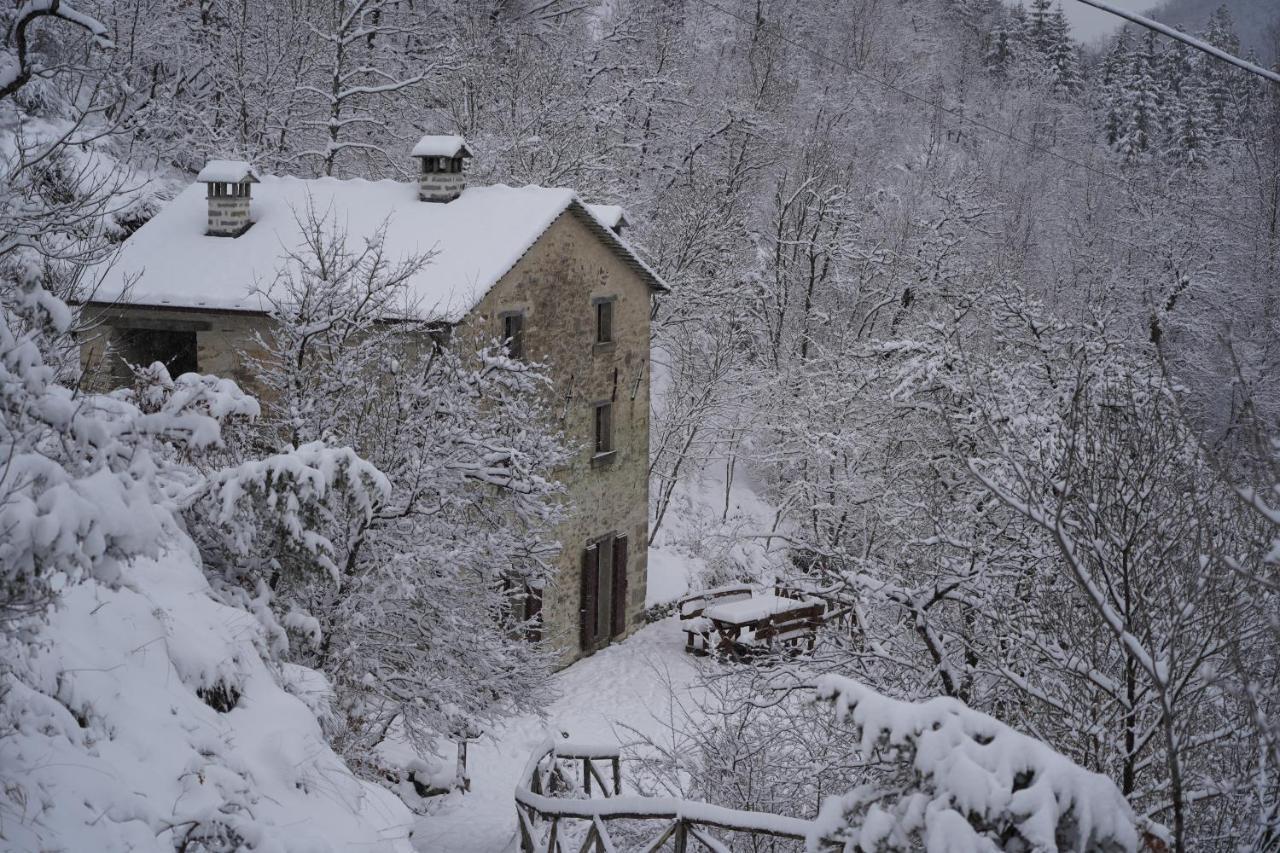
<point>441,146</point>
<point>476,239</point>
<point>611,215</point>
<point>227,172</point>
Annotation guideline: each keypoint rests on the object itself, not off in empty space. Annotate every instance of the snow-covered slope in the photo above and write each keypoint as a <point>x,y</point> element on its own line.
<point>711,535</point>
<point>146,716</point>
<point>602,698</point>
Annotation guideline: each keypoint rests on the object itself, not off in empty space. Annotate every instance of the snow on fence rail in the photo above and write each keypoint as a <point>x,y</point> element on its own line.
<point>556,815</point>
<point>937,772</point>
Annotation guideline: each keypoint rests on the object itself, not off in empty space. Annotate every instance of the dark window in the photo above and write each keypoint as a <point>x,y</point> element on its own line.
<point>604,428</point>
<point>604,322</point>
<point>143,347</point>
<point>513,334</point>
<point>533,613</point>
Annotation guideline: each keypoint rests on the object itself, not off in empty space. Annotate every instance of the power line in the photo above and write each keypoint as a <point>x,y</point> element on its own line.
<point>938,105</point>
<point>1185,39</point>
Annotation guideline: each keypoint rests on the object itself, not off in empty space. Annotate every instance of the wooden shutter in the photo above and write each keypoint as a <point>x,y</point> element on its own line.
<point>587,612</point>
<point>619,621</point>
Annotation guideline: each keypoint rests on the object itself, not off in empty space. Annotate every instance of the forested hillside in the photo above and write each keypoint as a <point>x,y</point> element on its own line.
<point>1255,22</point>
<point>990,322</point>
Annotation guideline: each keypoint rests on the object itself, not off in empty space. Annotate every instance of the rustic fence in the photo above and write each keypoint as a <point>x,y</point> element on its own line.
<point>559,814</point>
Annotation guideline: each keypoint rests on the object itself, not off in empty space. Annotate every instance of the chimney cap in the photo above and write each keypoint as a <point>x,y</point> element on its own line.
<point>227,172</point>
<point>441,146</point>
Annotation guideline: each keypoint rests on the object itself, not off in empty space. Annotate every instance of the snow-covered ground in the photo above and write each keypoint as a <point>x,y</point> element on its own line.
<point>623,685</point>
<point>146,717</point>
<point>701,543</point>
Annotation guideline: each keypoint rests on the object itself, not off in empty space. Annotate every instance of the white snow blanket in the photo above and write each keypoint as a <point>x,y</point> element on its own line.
<point>146,716</point>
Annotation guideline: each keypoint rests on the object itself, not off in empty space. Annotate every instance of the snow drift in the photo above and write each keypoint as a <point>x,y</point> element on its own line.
<point>146,717</point>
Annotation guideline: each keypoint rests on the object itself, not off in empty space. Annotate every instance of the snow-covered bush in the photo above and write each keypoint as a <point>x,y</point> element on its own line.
<point>148,716</point>
<point>137,710</point>
<point>945,777</point>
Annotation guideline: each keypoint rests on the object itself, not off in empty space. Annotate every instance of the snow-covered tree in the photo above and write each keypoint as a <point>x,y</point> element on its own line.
<point>414,603</point>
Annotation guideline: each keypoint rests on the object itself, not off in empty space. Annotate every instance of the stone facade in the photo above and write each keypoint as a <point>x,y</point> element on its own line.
<point>441,186</point>
<point>225,342</point>
<point>556,286</point>
<point>228,215</point>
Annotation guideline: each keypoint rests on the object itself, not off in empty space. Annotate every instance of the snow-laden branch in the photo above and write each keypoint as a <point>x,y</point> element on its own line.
<point>15,63</point>
<point>964,777</point>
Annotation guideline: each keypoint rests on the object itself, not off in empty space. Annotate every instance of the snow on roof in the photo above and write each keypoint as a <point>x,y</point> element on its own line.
<point>441,146</point>
<point>612,215</point>
<point>475,240</point>
<point>227,172</point>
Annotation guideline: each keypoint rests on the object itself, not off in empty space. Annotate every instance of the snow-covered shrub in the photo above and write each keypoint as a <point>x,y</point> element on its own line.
<point>144,716</point>
<point>80,490</point>
<point>137,710</point>
<point>941,776</point>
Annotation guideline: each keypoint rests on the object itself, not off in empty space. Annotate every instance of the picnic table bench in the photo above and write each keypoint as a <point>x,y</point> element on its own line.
<point>747,618</point>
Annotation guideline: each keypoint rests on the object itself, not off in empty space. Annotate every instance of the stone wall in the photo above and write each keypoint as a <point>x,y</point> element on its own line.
<point>225,342</point>
<point>441,186</point>
<point>228,215</point>
<point>553,285</point>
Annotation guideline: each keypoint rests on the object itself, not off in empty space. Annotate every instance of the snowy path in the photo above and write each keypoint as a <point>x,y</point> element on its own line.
<point>621,684</point>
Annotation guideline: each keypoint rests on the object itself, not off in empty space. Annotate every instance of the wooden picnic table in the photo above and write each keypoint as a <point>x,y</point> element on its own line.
<point>749,623</point>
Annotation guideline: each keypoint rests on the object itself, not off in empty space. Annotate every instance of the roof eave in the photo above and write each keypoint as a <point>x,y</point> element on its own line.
<point>628,256</point>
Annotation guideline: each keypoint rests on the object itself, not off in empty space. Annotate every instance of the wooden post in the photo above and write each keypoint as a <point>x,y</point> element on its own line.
<point>682,838</point>
<point>617,776</point>
<point>586,777</point>
<point>462,764</point>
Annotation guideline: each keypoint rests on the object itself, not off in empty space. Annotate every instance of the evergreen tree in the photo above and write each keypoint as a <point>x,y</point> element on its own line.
<point>1142,100</point>
<point>1114,94</point>
<point>1040,26</point>
<point>1064,62</point>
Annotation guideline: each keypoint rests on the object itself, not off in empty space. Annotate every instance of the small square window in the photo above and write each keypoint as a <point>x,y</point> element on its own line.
<point>513,334</point>
<point>604,428</point>
<point>604,322</point>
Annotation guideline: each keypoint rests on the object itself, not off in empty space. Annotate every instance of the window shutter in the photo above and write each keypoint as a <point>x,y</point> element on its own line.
<point>619,620</point>
<point>590,591</point>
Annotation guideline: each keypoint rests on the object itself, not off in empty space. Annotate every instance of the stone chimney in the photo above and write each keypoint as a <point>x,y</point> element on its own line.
<point>228,183</point>
<point>441,178</point>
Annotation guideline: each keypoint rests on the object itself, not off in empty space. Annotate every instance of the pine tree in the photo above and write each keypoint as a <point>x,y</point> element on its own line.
<point>1000,53</point>
<point>1219,86</point>
<point>1190,131</point>
<point>1143,101</point>
<point>1040,28</point>
<point>1064,62</point>
<point>1114,74</point>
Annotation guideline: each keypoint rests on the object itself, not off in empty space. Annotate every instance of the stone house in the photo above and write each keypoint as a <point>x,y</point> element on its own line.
<point>535,266</point>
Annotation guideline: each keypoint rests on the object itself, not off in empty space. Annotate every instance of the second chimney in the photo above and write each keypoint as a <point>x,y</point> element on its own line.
<point>228,183</point>
<point>441,178</point>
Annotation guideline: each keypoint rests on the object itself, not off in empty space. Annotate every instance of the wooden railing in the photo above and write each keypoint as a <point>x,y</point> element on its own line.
<point>558,815</point>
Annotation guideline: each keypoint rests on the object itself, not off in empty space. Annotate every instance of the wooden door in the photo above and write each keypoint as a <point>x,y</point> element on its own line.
<point>618,622</point>
<point>589,602</point>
